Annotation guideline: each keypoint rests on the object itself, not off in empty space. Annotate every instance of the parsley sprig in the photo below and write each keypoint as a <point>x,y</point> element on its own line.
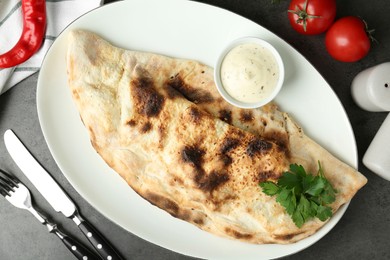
<point>304,196</point>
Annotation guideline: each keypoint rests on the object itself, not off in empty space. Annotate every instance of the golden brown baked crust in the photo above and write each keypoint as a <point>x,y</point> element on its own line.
<point>160,123</point>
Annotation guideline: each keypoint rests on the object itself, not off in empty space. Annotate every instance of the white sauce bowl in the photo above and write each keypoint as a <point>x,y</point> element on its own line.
<point>218,75</point>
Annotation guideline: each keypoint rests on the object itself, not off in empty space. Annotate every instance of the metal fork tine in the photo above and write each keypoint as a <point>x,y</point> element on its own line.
<point>11,178</point>
<point>3,190</point>
<point>7,183</point>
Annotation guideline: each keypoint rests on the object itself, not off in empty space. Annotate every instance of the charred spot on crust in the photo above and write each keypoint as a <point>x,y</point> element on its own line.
<point>146,127</point>
<point>266,175</point>
<point>168,205</point>
<point>229,144</point>
<point>195,113</point>
<point>197,96</point>
<point>199,221</point>
<point>178,180</point>
<point>287,237</point>
<point>226,160</point>
<point>203,181</point>
<point>154,104</point>
<point>172,93</point>
<point>225,115</point>
<point>148,101</point>
<point>193,155</point>
<point>184,215</point>
<point>280,139</point>
<point>131,123</point>
<point>163,202</point>
<point>222,199</point>
<point>237,234</point>
<point>258,146</point>
<point>211,181</point>
<point>264,122</point>
<point>246,116</point>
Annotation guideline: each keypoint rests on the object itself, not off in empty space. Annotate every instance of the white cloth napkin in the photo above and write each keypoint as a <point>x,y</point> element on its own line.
<point>59,13</point>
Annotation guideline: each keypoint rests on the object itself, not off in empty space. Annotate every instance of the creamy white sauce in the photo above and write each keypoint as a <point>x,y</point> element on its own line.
<point>249,73</point>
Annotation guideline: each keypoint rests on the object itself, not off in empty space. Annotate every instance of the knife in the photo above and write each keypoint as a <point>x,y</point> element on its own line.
<point>21,198</point>
<point>53,193</point>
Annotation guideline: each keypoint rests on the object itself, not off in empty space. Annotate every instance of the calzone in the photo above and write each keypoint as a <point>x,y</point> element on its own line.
<point>160,123</point>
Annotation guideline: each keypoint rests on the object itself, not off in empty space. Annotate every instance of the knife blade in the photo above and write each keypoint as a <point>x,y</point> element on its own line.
<point>54,194</point>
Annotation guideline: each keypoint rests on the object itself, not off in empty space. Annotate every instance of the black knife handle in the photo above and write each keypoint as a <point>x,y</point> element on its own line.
<point>105,250</point>
<point>78,250</point>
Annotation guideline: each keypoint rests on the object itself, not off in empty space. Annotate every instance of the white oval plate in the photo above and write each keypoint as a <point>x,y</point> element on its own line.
<point>191,30</point>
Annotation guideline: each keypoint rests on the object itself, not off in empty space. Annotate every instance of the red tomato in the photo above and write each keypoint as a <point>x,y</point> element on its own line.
<point>348,39</point>
<point>311,16</point>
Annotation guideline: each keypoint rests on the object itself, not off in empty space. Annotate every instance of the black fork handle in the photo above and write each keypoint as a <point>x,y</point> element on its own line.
<point>75,247</point>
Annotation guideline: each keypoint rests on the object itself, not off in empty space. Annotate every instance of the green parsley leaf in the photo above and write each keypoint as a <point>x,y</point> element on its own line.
<point>306,209</point>
<point>289,180</point>
<point>286,199</point>
<point>315,186</point>
<point>298,170</point>
<point>324,212</point>
<point>297,218</point>
<point>303,195</point>
<point>269,188</point>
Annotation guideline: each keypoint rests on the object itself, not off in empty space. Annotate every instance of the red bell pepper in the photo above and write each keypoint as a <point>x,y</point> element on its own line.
<point>34,26</point>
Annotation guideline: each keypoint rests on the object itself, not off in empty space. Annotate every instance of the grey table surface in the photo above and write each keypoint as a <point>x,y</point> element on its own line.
<point>362,233</point>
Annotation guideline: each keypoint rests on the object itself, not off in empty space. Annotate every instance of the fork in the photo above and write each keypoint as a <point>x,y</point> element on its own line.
<point>18,195</point>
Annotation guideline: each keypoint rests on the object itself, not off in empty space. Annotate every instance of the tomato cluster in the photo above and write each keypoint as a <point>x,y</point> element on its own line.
<point>346,40</point>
